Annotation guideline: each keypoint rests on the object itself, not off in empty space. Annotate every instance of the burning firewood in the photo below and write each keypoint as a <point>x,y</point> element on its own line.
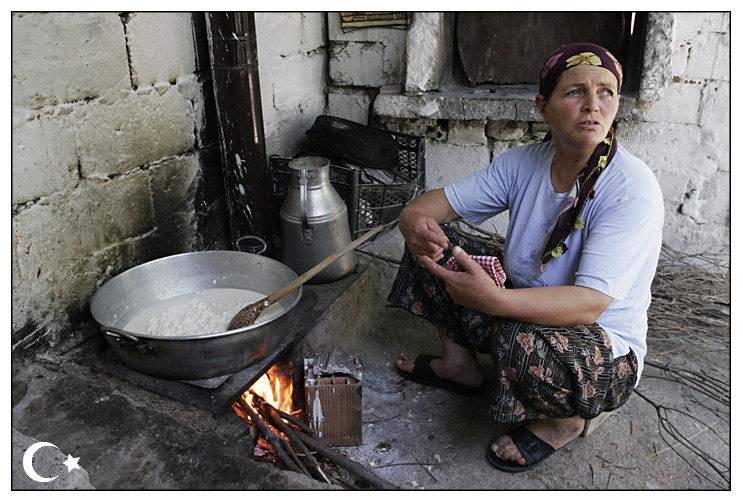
<point>300,450</point>
<point>279,444</point>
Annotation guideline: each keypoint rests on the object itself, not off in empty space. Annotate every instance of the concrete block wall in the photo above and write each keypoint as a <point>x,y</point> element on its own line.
<point>362,63</point>
<point>685,135</point>
<point>115,154</point>
<point>292,63</point>
<point>104,130</point>
<point>678,122</point>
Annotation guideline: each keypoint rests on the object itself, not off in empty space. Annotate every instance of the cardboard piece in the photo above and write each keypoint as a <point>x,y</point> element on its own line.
<point>333,396</point>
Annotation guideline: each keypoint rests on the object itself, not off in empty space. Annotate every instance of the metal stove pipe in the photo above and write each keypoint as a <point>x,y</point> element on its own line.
<point>247,176</point>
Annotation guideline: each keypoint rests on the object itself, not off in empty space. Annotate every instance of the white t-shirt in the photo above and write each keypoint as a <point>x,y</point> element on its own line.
<point>615,253</point>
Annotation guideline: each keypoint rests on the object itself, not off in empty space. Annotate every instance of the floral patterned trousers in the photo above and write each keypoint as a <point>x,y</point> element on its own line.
<point>542,372</point>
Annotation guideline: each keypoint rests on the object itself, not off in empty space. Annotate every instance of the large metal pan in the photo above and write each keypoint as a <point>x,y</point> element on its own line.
<point>193,356</point>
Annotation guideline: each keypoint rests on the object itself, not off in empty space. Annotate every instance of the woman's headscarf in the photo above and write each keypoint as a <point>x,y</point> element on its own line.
<point>570,214</point>
<point>568,56</point>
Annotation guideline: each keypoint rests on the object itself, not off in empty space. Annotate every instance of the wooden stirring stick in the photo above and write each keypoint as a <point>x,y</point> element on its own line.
<point>248,314</point>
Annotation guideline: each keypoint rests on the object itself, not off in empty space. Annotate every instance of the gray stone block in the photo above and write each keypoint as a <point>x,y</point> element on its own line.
<point>161,47</point>
<point>275,40</point>
<point>351,105</point>
<point>132,129</point>
<point>366,64</point>
<point>44,157</point>
<point>65,57</point>
<point>446,163</point>
<point>468,132</point>
<point>56,238</point>
<point>506,130</point>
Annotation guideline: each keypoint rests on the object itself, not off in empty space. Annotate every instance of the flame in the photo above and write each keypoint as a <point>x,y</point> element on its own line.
<point>275,387</point>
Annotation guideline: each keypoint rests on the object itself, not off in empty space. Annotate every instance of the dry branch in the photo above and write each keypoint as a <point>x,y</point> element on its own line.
<point>689,330</point>
<point>299,448</point>
<point>276,442</point>
<point>691,300</point>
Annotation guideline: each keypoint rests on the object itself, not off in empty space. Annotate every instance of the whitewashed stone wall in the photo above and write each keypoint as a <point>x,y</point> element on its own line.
<point>685,135</point>
<point>292,61</point>
<point>103,136</point>
<point>111,149</point>
<point>678,123</point>
<point>362,63</point>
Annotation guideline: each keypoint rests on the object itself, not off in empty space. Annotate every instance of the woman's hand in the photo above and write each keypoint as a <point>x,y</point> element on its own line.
<point>423,235</point>
<point>420,224</point>
<point>549,305</point>
<point>472,287</point>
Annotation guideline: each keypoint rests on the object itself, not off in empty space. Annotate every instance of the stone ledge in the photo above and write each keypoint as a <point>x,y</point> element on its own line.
<point>465,103</point>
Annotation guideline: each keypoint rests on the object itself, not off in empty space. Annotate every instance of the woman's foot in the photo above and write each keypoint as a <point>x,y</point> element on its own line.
<point>461,371</point>
<point>557,432</point>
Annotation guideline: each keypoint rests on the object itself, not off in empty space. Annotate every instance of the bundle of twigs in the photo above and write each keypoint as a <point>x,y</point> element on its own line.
<point>479,234</point>
<point>691,299</point>
<point>299,449</point>
<point>689,345</point>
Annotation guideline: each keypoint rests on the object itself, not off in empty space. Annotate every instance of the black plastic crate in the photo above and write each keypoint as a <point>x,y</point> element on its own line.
<point>370,202</point>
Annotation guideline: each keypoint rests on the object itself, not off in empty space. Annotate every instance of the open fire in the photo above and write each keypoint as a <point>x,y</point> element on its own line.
<point>284,439</point>
<point>273,390</point>
<point>276,387</point>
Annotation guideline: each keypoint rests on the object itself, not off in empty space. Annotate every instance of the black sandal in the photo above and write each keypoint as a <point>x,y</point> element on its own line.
<point>422,373</point>
<point>532,448</point>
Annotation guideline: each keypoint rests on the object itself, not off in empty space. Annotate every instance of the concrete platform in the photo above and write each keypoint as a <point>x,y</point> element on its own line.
<point>415,437</point>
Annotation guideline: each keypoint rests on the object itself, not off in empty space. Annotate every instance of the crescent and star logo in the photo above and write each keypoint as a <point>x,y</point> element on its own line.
<point>28,459</point>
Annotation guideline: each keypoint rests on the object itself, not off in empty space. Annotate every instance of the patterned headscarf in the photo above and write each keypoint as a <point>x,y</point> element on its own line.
<point>570,214</point>
<point>568,56</point>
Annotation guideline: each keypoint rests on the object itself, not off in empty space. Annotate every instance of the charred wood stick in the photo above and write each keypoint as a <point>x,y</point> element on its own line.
<point>322,448</point>
<point>280,445</point>
<point>295,457</point>
<point>271,437</point>
<point>296,422</point>
<point>352,466</point>
<point>276,415</point>
<point>287,430</point>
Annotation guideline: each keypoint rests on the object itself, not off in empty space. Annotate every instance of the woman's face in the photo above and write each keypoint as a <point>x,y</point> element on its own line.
<point>582,107</point>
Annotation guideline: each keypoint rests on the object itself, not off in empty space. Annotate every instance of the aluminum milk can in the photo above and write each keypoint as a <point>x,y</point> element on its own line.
<point>314,222</point>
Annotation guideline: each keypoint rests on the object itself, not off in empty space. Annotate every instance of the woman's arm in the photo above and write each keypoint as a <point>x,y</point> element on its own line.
<point>551,305</point>
<point>420,224</point>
